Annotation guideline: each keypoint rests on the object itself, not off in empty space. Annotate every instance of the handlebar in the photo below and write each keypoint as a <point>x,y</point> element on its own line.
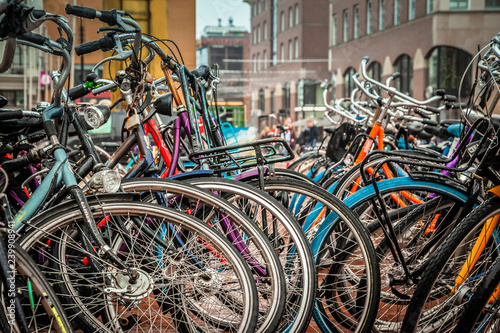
<point>392,90</point>
<point>18,114</point>
<point>107,16</point>
<point>203,71</point>
<point>105,43</point>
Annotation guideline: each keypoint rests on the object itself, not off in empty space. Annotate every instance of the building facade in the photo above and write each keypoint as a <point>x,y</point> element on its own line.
<point>227,46</point>
<point>429,42</point>
<point>288,57</point>
<point>25,84</point>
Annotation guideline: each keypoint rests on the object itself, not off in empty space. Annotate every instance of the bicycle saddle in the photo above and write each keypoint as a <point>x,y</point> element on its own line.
<point>415,127</point>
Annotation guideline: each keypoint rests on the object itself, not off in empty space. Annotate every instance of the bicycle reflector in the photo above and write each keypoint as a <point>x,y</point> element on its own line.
<point>96,115</point>
<point>106,181</point>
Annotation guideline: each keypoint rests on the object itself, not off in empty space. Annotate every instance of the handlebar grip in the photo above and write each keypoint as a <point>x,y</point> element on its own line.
<point>78,91</point>
<point>431,109</point>
<point>202,71</point>
<point>366,58</point>
<point>429,122</point>
<point>81,11</point>
<point>88,47</point>
<point>16,114</point>
<point>37,13</point>
<point>328,86</point>
<point>105,43</point>
<point>15,164</point>
<point>421,114</point>
<point>450,98</point>
<point>109,16</point>
<point>34,38</point>
<point>396,75</point>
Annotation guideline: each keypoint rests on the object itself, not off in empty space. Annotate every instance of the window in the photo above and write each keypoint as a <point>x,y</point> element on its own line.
<point>368,17</point>
<point>446,66</point>
<point>346,26</point>
<point>491,4</point>
<point>262,101</point>
<point>285,95</point>
<point>348,82</point>
<point>254,8</point>
<point>290,50</point>
<point>258,34</point>
<point>282,21</point>
<point>14,97</point>
<point>282,52</point>
<point>411,10</point>
<point>296,14</point>
<point>264,58</point>
<point>404,65</point>
<point>430,6</point>
<point>260,6</point>
<point>356,21</point>
<point>334,31</point>
<point>459,4</point>
<point>253,63</point>
<point>265,31</point>
<point>254,33</point>
<point>310,93</point>
<point>296,47</point>
<point>397,9</point>
<point>258,61</point>
<point>381,5</point>
<point>273,102</point>
<point>290,17</point>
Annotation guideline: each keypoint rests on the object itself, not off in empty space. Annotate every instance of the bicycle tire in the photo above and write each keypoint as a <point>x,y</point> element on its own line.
<point>38,300</point>
<point>59,227</point>
<point>314,198</point>
<point>360,201</point>
<point>273,290</point>
<point>297,312</point>
<point>471,320</point>
<point>464,232</point>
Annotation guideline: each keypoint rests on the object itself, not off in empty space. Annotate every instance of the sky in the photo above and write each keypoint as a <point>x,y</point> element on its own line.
<point>209,11</point>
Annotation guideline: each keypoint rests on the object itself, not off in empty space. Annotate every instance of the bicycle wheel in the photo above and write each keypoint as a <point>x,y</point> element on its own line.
<point>41,308</point>
<point>347,253</point>
<point>288,240</point>
<point>187,273</point>
<point>454,272</point>
<point>244,234</point>
<point>394,297</point>
<point>480,312</point>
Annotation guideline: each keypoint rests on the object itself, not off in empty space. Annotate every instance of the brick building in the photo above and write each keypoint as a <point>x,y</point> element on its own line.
<point>172,19</point>
<point>429,42</point>
<point>288,56</point>
<point>227,46</point>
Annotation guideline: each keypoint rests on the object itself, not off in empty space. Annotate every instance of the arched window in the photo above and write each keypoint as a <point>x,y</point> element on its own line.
<point>262,101</point>
<point>348,82</point>
<point>375,70</point>
<point>404,65</point>
<point>445,67</point>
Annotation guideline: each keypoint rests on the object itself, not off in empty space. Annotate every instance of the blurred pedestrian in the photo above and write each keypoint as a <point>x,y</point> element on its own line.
<point>309,136</point>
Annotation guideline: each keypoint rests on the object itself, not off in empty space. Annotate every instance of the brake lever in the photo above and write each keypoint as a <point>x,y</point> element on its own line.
<point>120,56</point>
<point>114,29</point>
